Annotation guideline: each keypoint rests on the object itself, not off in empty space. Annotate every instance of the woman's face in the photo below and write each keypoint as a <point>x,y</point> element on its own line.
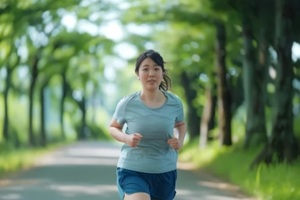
<point>150,74</point>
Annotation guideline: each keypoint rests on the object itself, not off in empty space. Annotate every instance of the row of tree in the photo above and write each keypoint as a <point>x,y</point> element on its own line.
<point>41,53</point>
<point>225,54</point>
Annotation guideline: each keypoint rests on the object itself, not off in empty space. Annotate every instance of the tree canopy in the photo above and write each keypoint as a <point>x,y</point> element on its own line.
<point>65,64</point>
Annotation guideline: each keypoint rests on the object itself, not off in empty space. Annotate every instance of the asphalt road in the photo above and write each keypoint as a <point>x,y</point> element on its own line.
<point>86,171</point>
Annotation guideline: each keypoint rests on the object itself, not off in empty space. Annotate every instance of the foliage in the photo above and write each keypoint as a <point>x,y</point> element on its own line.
<point>72,60</point>
<point>297,125</point>
<point>273,182</point>
<point>49,61</point>
<point>250,35</point>
<point>12,159</point>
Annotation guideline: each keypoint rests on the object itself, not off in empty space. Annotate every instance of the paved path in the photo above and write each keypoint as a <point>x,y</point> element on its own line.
<point>86,171</point>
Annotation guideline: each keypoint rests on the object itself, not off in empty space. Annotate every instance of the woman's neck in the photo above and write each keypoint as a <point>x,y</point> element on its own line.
<point>153,98</point>
<point>150,95</point>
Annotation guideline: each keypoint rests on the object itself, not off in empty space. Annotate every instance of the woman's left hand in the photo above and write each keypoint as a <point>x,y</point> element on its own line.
<point>174,143</point>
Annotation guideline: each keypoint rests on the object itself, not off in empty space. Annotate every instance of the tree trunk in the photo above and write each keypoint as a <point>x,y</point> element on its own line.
<point>224,101</point>
<point>62,103</point>
<point>5,96</point>
<point>254,85</point>
<point>283,145</point>
<point>83,132</point>
<point>193,119</point>
<point>6,124</point>
<point>43,134</point>
<point>208,116</point>
<point>84,127</point>
<point>283,139</point>
<point>34,75</point>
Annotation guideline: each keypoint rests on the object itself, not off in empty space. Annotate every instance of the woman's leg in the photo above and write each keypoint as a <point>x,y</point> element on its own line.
<point>137,196</point>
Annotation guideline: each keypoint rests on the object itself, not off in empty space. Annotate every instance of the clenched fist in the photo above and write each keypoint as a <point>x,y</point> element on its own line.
<point>133,140</point>
<point>174,143</point>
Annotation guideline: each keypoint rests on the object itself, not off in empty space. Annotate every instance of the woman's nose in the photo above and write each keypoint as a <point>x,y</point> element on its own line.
<point>152,73</point>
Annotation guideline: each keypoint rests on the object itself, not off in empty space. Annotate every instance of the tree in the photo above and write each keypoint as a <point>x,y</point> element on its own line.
<point>32,27</point>
<point>208,115</point>
<point>193,118</point>
<point>283,145</point>
<point>255,25</point>
<point>180,16</point>
<point>224,100</point>
<point>12,28</point>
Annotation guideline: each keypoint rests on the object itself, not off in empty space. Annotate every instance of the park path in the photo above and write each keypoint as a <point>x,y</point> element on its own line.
<point>86,171</point>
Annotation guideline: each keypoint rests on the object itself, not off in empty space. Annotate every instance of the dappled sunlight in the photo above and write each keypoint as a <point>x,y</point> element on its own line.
<point>17,184</point>
<point>86,170</point>
<point>11,197</point>
<point>183,194</point>
<point>81,155</point>
<point>186,194</point>
<point>113,153</point>
<point>186,165</point>
<point>74,190</point>
<point>77,161</point>
<point>218,185</point>
<point>204,186</point>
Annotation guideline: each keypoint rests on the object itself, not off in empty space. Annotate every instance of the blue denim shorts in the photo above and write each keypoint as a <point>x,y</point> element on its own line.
<point>158,186</point>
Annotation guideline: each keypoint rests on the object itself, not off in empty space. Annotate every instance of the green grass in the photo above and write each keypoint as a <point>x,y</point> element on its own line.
<point>12,159</point>
<point>15,160</point>
<point>275,182</point>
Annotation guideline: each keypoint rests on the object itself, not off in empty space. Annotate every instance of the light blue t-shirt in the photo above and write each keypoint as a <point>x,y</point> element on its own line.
<point>156,125</point>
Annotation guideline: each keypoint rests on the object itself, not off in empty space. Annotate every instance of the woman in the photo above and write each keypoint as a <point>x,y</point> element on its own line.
<point>155,130</point>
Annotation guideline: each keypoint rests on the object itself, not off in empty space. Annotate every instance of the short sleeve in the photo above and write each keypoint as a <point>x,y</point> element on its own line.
<point>119,114</point>
<point>180,114</point>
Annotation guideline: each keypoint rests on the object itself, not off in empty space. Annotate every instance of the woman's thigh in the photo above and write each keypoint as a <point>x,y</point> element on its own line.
<point>137,196</point>
<point>131,185</point>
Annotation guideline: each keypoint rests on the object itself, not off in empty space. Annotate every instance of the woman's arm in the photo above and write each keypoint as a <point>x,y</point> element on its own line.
<point>115,130</point>
<point>179,133</point>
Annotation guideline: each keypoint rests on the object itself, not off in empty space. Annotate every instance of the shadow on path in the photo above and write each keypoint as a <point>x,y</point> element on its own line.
<point>86,171</point>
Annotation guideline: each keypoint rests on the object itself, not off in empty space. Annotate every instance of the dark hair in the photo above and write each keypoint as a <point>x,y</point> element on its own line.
<point>157,58</point>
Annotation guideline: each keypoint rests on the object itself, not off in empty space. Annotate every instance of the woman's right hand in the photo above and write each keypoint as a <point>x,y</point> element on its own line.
<point>133,140</point>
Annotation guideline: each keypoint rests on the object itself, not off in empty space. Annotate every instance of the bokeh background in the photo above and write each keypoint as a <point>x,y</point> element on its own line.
<point>235,64</point>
